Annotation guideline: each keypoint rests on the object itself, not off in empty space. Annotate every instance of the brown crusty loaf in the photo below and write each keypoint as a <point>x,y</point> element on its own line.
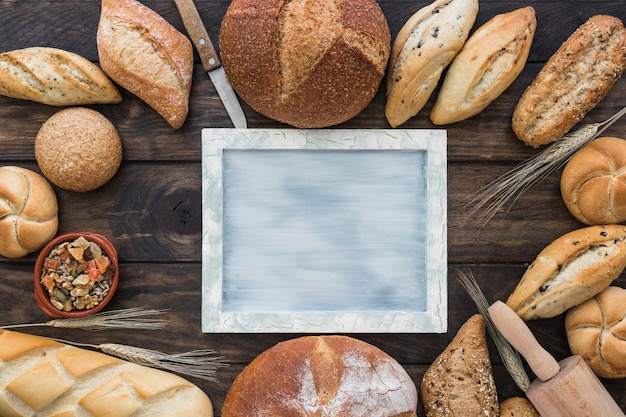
<point>28,211</point>
<point>54,77</point>
<point>147,56</point>
<point>596,330</point>
<point>309,64</point>
<point>570,270</point>
<point>460,381</point>
<point>44,378</point>
<point>573,81</point>
<point>489,62</point>
<point>517,407</point>
<point>424,47</point>
<point>593,182</point>
<point>322,376</point>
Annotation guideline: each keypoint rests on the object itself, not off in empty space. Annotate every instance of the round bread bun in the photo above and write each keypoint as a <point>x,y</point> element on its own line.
<point>596,330</point>
<point>322,376</point>
<point>28,211</point>
<point>593,183</point>
<point>78,149</point>
<point>517,407</point>
<point>308,64</point>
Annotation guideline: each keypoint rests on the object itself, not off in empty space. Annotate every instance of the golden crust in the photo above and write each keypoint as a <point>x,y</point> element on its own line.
<point>517,407</point>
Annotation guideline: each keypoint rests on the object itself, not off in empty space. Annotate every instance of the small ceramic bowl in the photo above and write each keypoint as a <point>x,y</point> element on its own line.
<point>41,293</point>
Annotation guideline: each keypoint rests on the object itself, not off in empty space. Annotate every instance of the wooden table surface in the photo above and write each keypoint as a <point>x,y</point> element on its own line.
<point>151,209</point>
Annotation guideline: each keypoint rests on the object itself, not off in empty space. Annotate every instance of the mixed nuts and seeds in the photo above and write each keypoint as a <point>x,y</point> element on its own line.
<point>77,275</point>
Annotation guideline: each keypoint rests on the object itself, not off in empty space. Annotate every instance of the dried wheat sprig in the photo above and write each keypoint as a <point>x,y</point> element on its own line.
<point>129,318</point>
<point>510,357</point>
<point>510,186</point>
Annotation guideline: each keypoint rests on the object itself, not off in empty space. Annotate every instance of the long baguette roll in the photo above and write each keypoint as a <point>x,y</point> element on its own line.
<point>570,270</point>
<point>54,77</point>
<point>45,378</point>
<point>573,81</point>
<point>423,48</point>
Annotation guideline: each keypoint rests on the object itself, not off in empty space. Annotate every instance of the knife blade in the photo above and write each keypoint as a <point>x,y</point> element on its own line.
<point>210,61</point>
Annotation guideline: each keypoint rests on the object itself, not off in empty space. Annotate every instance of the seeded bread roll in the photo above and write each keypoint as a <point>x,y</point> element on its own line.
<point>43,378</point>
<point>28,212</point>
<point>489,62</point>
<point>54,77</point>
<point>517,407</point>
<point>596,330</point>
<point>322,376</point>
<point>309,64</point>
<point>573,81</point>
<point>147,56</point>
<point>423,48</point>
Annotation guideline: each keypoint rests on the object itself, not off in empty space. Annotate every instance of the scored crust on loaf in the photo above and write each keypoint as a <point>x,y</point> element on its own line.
<point>460,380</point>
<point>322,376</point>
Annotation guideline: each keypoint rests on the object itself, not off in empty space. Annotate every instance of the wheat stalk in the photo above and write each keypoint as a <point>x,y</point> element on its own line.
<point>510,357</point>
<point>130,318</point>
<point>510,186</point>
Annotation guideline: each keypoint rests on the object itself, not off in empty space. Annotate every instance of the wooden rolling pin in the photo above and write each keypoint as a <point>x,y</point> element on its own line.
<point>568,388</point>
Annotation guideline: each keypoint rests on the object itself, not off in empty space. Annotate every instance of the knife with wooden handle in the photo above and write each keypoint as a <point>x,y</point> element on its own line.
<point>210,61</point>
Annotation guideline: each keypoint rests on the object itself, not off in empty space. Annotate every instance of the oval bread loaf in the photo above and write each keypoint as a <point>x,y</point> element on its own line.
<point>147,56</point>
<point>570,270</point>
<point>28,211</point>
<point>54,77</point>
<point>596,330</point>
<point>593,182</point>
<point>424,47</point>
<point>41,377</point>
<point>491,59</point>
<point>573,81</point>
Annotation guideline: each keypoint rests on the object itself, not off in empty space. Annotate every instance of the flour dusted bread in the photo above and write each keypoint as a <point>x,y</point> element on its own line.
<point>491,59</point>
<point>54,77</point>
<point>322,376</point>
<point>28,212</point>
<point>460,382</point>
<point>147,56</point>
<point>423,48</point>
<point>45,378</point>
<point>309,64</point>
<point>570,270</point>
<point>573,81</point>
<point>596,330</point>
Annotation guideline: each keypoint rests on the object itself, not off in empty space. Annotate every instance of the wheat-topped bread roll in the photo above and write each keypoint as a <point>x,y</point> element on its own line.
<point>322,376</point>
<point>306,63</point>
<point>28,211</point>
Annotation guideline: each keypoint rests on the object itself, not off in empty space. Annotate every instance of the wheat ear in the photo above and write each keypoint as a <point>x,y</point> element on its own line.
<point>510,357</point>
<point>510,186</point>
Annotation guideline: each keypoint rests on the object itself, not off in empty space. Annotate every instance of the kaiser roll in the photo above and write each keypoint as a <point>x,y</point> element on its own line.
<point>593,183</point>
<point>322,376</point>
<point>78,149</point>
<point>28,211</point>
<point>596,330</point>
<point>309,63</point>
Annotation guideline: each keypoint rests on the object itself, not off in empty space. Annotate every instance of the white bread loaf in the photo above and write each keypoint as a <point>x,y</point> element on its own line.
<point>54,77</point>
<point>315,376</point>
<point>596,330</point>
<point>460,381</point>
<point>43,378</point>
<point>309,64</point>
<point>570,270</point>
<point>573,81</point>
<point>147,56</point>
<point>491,59</point>
<point>593,182</point>
<point>423,48</point>
<point>28,211</point>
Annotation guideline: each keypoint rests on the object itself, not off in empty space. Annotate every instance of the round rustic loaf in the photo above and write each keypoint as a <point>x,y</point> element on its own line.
<point>309,64</point>
<point>322,376</point>
<point>28,211</point>
<point>78,149</point>
<point>593,183</point>
<point>596,330</point>
<point>517,407</point>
